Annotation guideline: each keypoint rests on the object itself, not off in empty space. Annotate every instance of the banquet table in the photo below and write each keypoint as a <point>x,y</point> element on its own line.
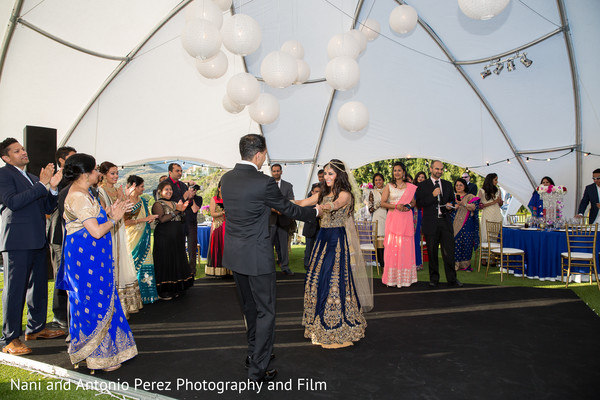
<point>542,250</point>
<point>204,239</point>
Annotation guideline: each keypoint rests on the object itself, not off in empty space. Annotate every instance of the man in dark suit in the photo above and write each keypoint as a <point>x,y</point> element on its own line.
<point>436,197</point>
<point>183,193</point>
<point>24,201</point>
<point>279,223</point>
<point>471,187</point>
<point>55,240</point>
<point>248,196</point>
<point>310,229</point>
<point>591,196</point>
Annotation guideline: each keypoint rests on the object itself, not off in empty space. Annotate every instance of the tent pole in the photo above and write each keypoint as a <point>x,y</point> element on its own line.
<point>576,98</point>
<point>10,30</point>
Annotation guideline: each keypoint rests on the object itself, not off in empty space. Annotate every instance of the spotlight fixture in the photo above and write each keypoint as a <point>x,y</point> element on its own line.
<point>510,65</point>
<point>527,159</point>
<point>586,154</point>
<point>486,72</point>
<point>526,61</point>
<point>508,160</point>
<point>499,68</point>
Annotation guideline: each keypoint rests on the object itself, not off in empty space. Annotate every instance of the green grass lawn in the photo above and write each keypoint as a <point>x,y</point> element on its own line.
<point>588,293</point>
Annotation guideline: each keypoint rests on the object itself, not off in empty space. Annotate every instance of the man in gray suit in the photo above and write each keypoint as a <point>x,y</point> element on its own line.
<point>280,224</point>
<point>248,196</point>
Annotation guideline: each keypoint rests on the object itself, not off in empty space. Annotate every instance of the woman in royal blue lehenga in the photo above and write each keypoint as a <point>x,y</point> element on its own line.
<point>337,286</point>
<point>100,334</point>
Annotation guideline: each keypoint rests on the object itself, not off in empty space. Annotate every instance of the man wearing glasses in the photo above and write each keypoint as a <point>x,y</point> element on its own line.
<point>591,195</point>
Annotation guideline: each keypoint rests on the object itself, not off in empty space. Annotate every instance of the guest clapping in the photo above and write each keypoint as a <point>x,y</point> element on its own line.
<point>466,225</point>
<point>491,201</point>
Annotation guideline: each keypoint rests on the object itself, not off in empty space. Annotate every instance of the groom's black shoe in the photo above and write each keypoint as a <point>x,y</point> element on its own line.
<point>247,361</point>
<point>456,283</point>
<point>269,375</point>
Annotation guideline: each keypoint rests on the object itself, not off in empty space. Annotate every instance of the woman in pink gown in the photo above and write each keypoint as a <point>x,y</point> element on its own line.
<point>398,197</point>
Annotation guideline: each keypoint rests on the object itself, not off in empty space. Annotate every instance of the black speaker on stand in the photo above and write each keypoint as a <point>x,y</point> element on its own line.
<point>40,144</point>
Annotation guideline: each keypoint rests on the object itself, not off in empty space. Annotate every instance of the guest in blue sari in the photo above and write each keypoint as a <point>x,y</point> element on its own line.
<point>536,205</point>
<point>100,334</point>
<point>139,234</point>
<point>466,226</point>
<point>418,217</point>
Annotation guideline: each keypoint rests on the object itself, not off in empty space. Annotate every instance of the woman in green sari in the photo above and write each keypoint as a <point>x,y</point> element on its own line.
<point>139,233</point>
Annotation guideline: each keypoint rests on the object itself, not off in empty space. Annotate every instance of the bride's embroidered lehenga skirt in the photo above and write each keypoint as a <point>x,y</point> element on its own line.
<point>100,334</point>
<point>332,315</point>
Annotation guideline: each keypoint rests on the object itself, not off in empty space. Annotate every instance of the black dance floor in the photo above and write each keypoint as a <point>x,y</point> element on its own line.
<point>476,342</point>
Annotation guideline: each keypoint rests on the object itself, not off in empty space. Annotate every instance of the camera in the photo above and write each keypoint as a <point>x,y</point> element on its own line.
<point>196,187</point>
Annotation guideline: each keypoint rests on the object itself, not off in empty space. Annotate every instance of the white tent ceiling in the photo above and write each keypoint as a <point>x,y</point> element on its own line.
<point>112,77</point>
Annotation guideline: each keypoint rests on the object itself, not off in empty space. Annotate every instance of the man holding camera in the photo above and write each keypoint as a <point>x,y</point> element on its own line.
<point>182,192</point>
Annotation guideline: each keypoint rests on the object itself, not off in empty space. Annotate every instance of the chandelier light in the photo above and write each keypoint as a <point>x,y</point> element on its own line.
<point>353,116</point>
<point>224,5</point>
<point>342,73</point>
<point>241,34</point>
<point>293,48</point>
<point>343,45</point>
<point>303,72</point>
<point>265,109</point>
<point>243,88</point>
<point>205,9</point>
<point>279,69</point>
<point>360,38</point>
<point>231,106</point>
<point>370,28</point>
<point>214,67</point>
<point>201,39</point>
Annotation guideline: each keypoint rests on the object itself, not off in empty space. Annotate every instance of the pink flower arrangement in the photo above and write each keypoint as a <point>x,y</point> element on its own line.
<point>368,185</point>
<point>551,189</point>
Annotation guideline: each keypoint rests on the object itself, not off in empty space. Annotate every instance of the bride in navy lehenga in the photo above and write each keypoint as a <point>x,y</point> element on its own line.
<point>100,334</point>
<point>337,288</point>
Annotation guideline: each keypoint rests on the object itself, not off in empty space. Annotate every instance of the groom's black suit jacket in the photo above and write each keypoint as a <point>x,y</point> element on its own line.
<point>248,196</point>
<point>428,203</point>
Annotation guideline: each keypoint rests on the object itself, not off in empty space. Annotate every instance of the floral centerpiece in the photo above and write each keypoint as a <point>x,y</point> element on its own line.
<point>552,197</point>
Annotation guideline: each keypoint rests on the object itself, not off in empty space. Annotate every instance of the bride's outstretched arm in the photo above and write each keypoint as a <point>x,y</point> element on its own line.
<point>311,201</point>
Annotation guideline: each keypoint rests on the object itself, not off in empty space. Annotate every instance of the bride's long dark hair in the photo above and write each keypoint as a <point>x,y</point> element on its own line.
<point>341,183</point>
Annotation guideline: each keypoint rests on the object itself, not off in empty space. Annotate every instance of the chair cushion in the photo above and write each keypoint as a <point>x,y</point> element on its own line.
<point>508,250</point>
<point>578,256</point>
<point>367,247</point>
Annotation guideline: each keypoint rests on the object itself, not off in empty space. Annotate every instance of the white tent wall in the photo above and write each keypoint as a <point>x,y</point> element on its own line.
<point>423,99</point>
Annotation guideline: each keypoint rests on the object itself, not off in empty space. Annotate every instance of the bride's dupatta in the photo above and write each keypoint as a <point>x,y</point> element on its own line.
<point>462,214</point>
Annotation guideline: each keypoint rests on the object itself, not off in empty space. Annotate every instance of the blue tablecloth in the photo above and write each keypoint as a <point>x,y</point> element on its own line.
<point>204,239</point>
<point>542,250</point>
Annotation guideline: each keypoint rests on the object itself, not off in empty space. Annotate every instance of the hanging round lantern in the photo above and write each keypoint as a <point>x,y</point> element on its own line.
<point>231,106</point>
<point>342,73</point>
<point>243,88</point>
<point>303,72</point>
<point>213,68</point>
<point>360,38</point>
<point>370,28</point>
<point>201,39</point>
<point>205,9</point>
<point>279,69</point>
<point>343,45</point>
<point>482,9</point>
<point>224,5</point>
<point>403,19</point>
<point>293,48</point>
<point>241,34</point>
<point>265,109</point>
<point>353,116</point>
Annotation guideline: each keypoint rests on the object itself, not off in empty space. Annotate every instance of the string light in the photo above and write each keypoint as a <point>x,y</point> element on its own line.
<point>508,160</point>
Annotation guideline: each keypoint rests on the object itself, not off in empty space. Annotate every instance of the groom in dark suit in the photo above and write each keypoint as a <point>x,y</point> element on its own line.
<point>248,196</point>
<point>436,197</point>
<point>24,201</point>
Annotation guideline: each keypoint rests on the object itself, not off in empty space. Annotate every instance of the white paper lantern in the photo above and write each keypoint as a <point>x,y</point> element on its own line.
<point>303,72</point>
<point>293,48</point>
<point>231,106</point>
<point>360,38</point>
<point>482,9</point>
<point>241,34</point>
<point>243,88</point>
<point>279,69</point>
<point>265,109</point>
<point>201,39</point>
<point>370,28</point>
<point>205,9</point>
<point>403,19</point>
<point>342,73</point>
<point>224,5</point>
<point>353,116</point>
<point>343,45</point>
<point>213,68</point>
